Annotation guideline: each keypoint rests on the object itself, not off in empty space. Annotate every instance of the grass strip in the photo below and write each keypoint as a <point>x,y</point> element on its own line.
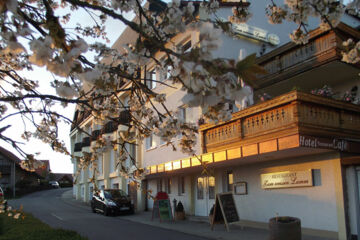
<point>30,228</point>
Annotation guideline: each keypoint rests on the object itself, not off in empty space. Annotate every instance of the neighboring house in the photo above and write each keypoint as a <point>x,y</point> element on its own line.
<point>296,154</point>
<point>64,179</point>
<point>20,176</point>
<point>107,175</point>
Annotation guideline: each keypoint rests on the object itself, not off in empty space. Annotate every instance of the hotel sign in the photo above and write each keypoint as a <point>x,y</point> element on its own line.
<point>329,143</point>
<point>256,33</point>
<point>287,179</point>
<point>253,32</point>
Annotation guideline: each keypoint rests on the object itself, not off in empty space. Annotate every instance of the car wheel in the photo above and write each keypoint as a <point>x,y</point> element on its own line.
<point>106,211</point>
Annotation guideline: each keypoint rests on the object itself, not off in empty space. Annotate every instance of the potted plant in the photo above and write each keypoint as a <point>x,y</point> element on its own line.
<point>179,211</point>
<point>285,228</point>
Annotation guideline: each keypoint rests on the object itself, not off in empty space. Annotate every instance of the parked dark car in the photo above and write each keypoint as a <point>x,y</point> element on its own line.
<point>111,202</point>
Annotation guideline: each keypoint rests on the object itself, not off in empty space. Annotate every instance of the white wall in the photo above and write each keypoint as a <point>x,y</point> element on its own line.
<point>352,190</point>
<point>163,153</point>
<point>114,181</point>
<point>315,206</point>
<point>184,198</point>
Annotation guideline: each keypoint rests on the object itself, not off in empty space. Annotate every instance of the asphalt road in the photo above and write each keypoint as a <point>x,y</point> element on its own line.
<point>49,207</point>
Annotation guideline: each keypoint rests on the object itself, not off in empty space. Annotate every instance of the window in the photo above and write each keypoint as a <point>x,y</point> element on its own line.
<point>187,115</point>
<point>232,107</point>
<point>115,186</point>
<point>150,142</point>
<point>91,189</point>
<point>159,185</point>
<point>230,181</point>
<point>182,114</point>
<point>168,71</point>
<point>112,160</point>
<point>151,81</point>
<point>132,153</point>
<point>200,188</point>
<point>186,47</point>
<point>168,185</point>
<point>211,187</point>
<point>181,185</point>
<point>100,165</point>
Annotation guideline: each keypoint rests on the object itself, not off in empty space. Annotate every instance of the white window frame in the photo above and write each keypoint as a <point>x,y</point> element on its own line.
<point>152,76</point>
<point>159,184</point>
<point>150,142</point>
<point>168,185</point>
<point>181,185</point>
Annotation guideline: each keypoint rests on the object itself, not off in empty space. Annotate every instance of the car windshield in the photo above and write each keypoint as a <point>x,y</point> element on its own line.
<point>114,193</point>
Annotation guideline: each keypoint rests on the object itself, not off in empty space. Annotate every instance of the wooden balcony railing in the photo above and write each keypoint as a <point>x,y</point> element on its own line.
<point>291,113</point>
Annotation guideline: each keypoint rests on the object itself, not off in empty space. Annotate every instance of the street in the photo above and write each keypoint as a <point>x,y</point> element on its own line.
<point>49,207</point>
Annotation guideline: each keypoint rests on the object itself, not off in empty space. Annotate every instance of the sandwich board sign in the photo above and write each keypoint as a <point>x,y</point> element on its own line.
<point>224,210</point>
<point>162,208</point>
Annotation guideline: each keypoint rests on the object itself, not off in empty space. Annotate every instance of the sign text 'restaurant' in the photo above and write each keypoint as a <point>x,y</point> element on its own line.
<point>287,179</point>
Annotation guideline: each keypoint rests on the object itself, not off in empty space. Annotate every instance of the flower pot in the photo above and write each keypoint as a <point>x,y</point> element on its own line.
<point>180,215</point>
<point>285,228</point>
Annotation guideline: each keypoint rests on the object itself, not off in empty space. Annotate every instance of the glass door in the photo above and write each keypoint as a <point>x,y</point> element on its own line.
<point>204,195</point>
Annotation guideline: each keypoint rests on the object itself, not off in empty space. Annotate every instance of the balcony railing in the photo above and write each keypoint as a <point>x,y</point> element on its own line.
<point>78,147</point>
<point>124,117</point>
<point>291,113</point>
<point>109,127</point>
<point>95,135</point>
<point>86,142</point>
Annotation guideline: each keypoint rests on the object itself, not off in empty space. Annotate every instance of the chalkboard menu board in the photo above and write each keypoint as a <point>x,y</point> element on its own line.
<point>224,210</point>
<point>229,208</point>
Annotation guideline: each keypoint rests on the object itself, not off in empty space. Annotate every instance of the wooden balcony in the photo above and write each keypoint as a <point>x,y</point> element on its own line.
<point>294,113</point>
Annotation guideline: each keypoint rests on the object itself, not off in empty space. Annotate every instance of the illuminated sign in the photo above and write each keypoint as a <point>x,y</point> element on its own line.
<point>287,179</point>
<point>256,33</point>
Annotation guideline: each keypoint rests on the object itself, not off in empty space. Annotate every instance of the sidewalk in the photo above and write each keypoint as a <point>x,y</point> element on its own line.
<point>198,226</point>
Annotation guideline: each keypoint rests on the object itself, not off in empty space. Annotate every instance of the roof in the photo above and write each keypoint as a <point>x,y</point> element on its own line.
<point>9,155</point>
<point>59,176</point>
<point>12,157</point>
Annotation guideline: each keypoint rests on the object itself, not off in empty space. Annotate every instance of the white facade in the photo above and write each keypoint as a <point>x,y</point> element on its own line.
<point>320,207</point>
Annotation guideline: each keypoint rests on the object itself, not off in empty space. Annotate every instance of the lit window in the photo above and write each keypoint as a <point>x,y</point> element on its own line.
<point>211,187</point>
<point>230,181</point>
<point>200,188</point>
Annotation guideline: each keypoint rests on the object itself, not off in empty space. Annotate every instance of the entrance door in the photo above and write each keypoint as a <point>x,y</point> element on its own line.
<point>132,191</point>
<point>204,195</point>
